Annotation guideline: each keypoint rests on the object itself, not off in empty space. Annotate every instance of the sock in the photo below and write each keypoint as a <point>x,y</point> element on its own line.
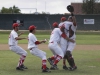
<point>44,64</point>
<point>21,60</point>
<point>64,62</point>
<point>57,59</point>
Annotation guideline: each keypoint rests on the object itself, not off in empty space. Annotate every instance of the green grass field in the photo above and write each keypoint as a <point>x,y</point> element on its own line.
<point>83,39</point>
<point>87,61</point>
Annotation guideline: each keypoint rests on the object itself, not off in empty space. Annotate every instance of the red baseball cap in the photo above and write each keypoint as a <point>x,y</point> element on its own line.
<point>15,25</point>
<point>55,24</point>
<point>32,27</point>
<point>63,19</point>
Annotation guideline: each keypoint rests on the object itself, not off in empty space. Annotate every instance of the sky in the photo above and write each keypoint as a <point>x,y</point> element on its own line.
<point>48,6</point>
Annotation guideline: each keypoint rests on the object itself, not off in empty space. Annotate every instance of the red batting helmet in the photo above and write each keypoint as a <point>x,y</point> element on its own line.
<point>32,27</point>
<point>55,24</point>
<point>15,25</point>
<point>63,19</point>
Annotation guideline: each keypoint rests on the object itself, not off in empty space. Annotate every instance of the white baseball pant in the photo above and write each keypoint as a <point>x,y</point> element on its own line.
<point>55,48</point>
<point>18,50</point>
<point>63,45</point>
<point>71,46</point>
<point>39,53</point>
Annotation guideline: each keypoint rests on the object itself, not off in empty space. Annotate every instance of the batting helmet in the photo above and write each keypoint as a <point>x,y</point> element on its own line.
<point>55,24</point>
<point>32,27</point>
<point>63,19</point>
<point>15,25</point>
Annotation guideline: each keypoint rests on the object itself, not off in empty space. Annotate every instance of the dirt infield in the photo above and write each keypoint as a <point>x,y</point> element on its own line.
<point>45,47</point>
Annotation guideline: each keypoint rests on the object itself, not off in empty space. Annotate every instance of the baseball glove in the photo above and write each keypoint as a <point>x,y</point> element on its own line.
<point>70,8</point>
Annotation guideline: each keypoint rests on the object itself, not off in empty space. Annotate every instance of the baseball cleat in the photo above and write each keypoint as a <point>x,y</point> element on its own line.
<point>46,70</point>
<point>54,67</point>
<point>19,68</point>
<point>24,67</point>
<point>50,61</point>
<point>72,68</point>
<point>65,67</point>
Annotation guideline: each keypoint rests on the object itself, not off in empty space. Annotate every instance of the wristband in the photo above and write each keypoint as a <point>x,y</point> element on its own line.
<point>72,14</point>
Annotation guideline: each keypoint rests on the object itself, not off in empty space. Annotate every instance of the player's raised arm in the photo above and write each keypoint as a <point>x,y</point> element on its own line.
<point>74,19</point>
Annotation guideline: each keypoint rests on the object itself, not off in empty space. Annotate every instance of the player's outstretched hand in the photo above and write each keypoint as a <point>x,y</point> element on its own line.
<point>21,33</point>
<point>43,41</point>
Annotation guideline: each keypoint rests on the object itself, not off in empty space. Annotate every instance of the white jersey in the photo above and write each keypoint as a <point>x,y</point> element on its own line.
<point>12,36</point>
<point>55,35</point>
<point>31,40</point>
<point>67,24</point>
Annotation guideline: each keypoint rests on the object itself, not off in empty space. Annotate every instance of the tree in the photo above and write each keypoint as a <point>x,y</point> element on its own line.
<point>13,9</point>
<point>90,7</point>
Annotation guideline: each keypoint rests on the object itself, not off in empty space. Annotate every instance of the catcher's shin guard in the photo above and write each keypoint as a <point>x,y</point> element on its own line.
<point>70,59</point>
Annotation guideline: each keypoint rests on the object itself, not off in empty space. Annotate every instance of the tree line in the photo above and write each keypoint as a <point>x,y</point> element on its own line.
<point>88,7</point>
<point>91,6</point>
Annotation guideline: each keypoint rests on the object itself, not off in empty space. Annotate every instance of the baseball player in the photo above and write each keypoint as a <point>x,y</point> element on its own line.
<point>64,42</point>
<point>33,47</point>
<point>13,40</point>
<point>70,45</point>
<point>55,37</point>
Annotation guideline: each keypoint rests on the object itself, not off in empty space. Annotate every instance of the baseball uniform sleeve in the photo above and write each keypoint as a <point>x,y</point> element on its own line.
<point>59,32</point>
<point>15,35</point>
<point>35,40</point>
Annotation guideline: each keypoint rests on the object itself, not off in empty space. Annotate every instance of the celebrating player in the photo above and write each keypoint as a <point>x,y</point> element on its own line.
<point>13,40</point>
<point>56,34</point>
<point>64,42</point>
<point>70,45</point>
<point>32,46</point>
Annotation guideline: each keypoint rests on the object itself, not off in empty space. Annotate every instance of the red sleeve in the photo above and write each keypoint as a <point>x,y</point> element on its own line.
<point>63,35</point>
<point>37,42</point>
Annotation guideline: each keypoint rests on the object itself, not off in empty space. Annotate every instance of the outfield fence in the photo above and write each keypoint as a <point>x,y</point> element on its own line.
<point>44,22</point>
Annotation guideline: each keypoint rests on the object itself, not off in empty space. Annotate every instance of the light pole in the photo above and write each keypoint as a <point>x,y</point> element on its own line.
<point>45,6</point>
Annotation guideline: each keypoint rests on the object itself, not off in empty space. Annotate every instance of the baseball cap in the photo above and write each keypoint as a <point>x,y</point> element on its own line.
<point>15,25</point>
<point>63,19</point>
<point>55,24</point>
<point>32,27</point>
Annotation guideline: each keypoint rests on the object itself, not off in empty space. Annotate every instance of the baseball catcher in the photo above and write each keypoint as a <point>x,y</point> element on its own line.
<point>70,45</point>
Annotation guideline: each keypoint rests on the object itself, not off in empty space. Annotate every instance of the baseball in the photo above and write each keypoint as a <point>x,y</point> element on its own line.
<point>45,39</point>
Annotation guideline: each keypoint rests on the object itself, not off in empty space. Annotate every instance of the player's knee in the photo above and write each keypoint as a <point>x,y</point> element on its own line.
<point>44,58</point>
<point>68,54</point>
<point>45,53</point>
<point>25,53</point>
<point>62,55</point>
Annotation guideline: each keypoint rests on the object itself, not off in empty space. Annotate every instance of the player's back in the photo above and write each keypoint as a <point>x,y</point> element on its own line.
<point>55,35</point>
<point>12,36</point>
